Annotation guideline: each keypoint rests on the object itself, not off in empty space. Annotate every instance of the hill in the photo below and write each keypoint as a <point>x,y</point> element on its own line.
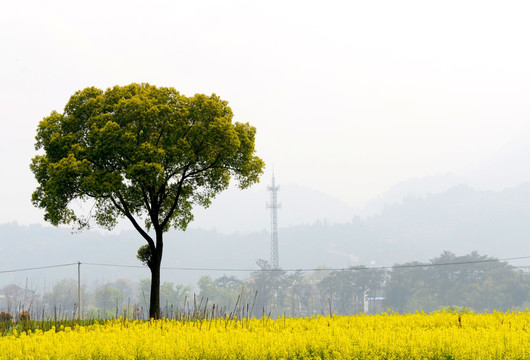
<point>460,220</point>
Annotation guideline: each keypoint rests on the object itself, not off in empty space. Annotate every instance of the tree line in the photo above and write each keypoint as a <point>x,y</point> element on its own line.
<point>476,282</point>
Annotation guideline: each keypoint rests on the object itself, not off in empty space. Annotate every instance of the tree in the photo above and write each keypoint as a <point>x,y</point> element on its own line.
<point>109,297</point>
<point>298,293</point>
<point>143,153</point>
<point>268,289</point>
<point>407,281</point>
<point>223,291</point>
<point>63,296</point>
<point>172,296</point>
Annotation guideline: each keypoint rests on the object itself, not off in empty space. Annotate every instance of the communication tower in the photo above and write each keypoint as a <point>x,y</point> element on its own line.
<point>274,206</point>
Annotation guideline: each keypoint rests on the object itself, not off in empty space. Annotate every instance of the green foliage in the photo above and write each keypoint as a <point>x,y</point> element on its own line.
<point>140,151</point>
<point>223,291</point>
<point>109,297</point>
<point>144,254</point>
<point>172,295</point>
<point>474,281</point>
<point>347,288</point>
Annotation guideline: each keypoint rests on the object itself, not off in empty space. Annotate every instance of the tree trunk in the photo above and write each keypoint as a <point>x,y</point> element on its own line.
<point>154,301</point>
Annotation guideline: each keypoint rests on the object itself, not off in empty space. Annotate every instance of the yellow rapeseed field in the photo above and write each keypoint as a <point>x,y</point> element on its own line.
<point>443,335</point>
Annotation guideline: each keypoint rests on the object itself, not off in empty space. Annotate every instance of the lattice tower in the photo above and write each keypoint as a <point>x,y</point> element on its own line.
<point>274,206</point>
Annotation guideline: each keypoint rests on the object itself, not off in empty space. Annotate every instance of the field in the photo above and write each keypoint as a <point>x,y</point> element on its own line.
<point>441,335</point>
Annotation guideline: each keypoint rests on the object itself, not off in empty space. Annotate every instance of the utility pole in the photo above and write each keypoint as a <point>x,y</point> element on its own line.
<point>79,290</point>
<point>274,206</point>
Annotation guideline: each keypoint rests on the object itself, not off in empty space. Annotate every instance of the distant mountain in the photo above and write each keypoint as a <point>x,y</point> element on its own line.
<point>419,228</point>
<point>460,220</point>
<point>506,168</point>
<point>415,187</point>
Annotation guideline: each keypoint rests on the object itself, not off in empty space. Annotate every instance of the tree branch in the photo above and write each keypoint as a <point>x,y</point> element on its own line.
<point>152,206</point>
<point>211,166</point>
<point>125,210</point>
<point>181,183</point>
<point>146,200</point>
<point>177,197</point>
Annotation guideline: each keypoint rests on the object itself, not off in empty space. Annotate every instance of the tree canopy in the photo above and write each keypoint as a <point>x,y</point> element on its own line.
<point>142,152</point>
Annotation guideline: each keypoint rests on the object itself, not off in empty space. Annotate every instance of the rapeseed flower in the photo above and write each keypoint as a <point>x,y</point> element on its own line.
<point>443,335</point>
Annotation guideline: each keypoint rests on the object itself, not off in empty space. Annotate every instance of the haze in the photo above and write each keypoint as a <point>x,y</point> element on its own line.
<point>348,98</point>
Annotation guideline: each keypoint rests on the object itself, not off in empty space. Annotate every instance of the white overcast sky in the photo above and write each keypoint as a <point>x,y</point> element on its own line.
<point>348,97</point>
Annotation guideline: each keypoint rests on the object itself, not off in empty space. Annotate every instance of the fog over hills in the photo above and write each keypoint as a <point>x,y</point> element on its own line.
<point>415,187</point>
<point>244,211</point>
<point>416,219</point>
<point>460,220</point>
<point>506,168</point>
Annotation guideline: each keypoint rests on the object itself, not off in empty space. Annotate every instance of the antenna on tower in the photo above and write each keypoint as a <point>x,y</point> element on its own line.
<point>274,206</point>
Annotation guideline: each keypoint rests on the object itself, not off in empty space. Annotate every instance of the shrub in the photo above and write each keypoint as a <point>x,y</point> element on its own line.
<point>24,316</point>
<point>6,317</point>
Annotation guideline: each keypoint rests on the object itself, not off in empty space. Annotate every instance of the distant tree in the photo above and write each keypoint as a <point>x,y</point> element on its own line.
<point>327,292</point>
<point>63,296</point>
<point>126,287</point>
<point>144,292</point>
<point>207,288</point>
<point>298,292</point>
<point>223,291</point>
<point>406,281</point>
<point>230,283</point>
<point>109,297</point>
<point>472,281</point>
<point>336,292</point>
<point>369,281</point>
<point>143,153</point>
<point>173,296</point>
<point>114,295</point>
<point>345,290</point>
<point>268,287</point>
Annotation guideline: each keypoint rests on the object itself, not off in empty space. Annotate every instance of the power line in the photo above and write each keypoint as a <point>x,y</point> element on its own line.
<point>37,268</point>
<point>455,263</point>
<point>115,265</point>
<point>359,268</point>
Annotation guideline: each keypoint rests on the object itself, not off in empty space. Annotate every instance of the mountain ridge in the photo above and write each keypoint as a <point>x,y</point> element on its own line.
<point>460,220</point>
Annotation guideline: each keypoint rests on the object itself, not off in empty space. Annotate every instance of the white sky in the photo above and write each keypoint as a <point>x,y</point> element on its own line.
<point>348,97</point>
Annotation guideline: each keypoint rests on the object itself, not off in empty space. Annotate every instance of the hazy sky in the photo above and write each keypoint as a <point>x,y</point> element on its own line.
<point>348,97</point>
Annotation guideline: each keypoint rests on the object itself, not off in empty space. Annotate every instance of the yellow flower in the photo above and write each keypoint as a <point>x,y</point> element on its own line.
<point>389,335</point>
